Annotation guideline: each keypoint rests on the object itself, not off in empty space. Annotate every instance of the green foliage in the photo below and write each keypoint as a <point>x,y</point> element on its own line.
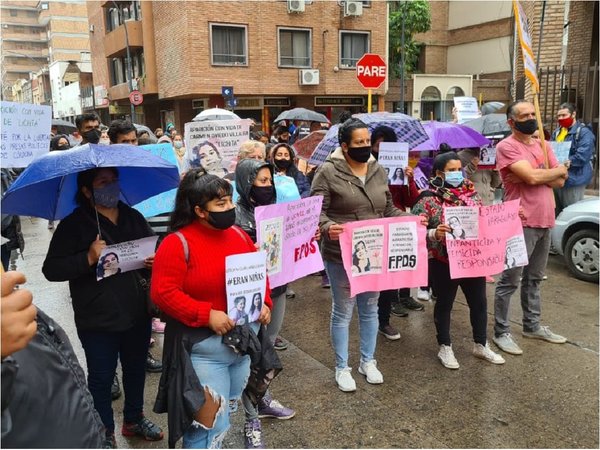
<point>417,19</point>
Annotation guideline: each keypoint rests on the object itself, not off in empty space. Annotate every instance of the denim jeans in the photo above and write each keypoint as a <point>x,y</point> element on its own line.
<point>225,373</point>
<point>102,348</point>
<point>341,315</point>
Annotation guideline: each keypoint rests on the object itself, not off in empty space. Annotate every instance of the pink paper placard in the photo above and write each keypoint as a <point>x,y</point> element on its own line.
<point>384,254</point>
<point>485,255</point>
<point>286,233</point>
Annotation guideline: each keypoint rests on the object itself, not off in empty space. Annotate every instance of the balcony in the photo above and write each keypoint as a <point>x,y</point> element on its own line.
<point>114,42</point>
<point>118,92</point>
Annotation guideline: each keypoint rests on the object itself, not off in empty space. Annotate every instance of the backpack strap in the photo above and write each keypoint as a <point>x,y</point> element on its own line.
<point>186,249</point>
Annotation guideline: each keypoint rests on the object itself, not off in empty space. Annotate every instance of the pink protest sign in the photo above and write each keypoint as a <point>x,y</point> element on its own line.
<point>286,232</point>
<point>384,254</point>
<point>486,254</point>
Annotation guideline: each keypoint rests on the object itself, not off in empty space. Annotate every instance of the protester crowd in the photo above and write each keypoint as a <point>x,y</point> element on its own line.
<point>210,362</point>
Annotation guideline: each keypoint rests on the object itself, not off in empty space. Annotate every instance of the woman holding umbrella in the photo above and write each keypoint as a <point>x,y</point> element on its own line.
<point>111,315</point>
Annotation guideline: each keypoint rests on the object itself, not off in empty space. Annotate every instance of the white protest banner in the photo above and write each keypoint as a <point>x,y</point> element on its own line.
<point>487,157</point>
<point>367,250</point>
<point>125,256</point>
<point>420,178</point>
<point>464,221</point>
<point>214,145</point>
<point>393,157</point>
<point>466,109</point>
<point>516,252</point>
<point>402,246</point>
<point>246,285</point>
<point>286,232</point>
<point>25,133</point>
<point>561,150</point>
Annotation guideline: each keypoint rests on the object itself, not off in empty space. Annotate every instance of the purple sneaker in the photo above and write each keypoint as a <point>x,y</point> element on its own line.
<point>270,408</point>
<point>253,434</point>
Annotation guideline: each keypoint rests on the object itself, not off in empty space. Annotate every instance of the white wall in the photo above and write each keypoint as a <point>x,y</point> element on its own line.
<point>465,13</point>
<point>493,55</point>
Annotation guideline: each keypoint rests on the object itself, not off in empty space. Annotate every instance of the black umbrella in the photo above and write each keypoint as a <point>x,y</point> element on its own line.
<point>301,114</point>
<point>63,126</point>
<point>490,125</point>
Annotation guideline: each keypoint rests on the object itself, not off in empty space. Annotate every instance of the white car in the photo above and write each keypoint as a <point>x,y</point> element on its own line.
<point>576,237</point>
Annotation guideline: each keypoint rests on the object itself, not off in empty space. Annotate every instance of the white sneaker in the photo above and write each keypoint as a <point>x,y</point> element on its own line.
<point>446,356</point>
<point>344,380</point>
<point>485,352</point>
<point>370,370</point>
<point>423,295</point>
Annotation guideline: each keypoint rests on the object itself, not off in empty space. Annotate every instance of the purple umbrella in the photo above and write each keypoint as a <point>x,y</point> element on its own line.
<point>455,135</point>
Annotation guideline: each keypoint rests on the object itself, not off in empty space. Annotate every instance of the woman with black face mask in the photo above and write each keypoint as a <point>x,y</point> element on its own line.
<point>354,187</point>
<point>60,142</point>
<point>282,157</point>
<point>188,284</point>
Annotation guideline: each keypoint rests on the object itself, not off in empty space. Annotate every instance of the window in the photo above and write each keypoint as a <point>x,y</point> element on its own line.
<point>117,71</point>
<point>228,44</point>
<point>118,67</point>
<point>44,5</point>
<point>32,14</point>
<point>353,45</point>
<point>294,48</point>
<point>14,13</point>
<point>125,11</point>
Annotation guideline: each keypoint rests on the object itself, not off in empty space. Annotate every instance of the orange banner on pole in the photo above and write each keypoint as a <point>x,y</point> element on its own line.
<point>526,45</point>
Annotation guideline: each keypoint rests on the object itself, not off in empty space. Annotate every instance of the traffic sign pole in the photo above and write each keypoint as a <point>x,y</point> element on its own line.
<point>369,102</point>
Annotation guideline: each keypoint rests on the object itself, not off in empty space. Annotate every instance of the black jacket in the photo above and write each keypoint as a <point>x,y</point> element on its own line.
<point>45,399</point>
<point>115,303</point>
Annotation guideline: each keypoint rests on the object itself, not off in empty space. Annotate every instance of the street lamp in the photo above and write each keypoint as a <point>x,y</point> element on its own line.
<point>129,68</point>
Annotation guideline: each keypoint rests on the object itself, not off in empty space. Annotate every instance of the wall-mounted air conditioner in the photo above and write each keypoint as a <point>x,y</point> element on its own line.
<point>295,6</point>
<point>308,77</point>
<point>352,8</point>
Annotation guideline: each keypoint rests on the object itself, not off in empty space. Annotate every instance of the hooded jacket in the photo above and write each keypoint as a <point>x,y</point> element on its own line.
<point>301,181</point>
<point>347,199</point>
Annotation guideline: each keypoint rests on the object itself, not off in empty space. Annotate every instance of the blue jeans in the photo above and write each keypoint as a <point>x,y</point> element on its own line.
<point>341,315</point>
<point>102,348</point>
<point>225,373</point>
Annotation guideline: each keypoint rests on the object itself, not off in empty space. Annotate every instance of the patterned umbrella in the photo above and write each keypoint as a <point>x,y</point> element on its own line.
<point>408,129</point>
<point>306,146</point>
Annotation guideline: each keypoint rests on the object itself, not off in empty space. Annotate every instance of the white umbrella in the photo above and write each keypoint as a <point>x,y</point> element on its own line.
<point>215,114</point>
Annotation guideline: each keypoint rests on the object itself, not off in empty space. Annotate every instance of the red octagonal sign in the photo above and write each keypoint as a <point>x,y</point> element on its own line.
<point>371,70</point>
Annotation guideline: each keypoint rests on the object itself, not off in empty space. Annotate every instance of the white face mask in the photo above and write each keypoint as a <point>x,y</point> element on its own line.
<point>104,141</point>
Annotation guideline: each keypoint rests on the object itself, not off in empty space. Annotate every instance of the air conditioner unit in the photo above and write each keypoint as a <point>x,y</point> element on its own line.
<point>353,8</point>
<point>308,77</point>
<point>296,6</point>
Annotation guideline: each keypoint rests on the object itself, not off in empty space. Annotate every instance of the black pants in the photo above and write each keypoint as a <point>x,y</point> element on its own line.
<point>385,306</point>
<point>446,289</point>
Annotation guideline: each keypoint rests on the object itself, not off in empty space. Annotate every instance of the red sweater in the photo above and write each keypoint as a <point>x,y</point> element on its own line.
<point>188,291</point>
<point>404,196</point>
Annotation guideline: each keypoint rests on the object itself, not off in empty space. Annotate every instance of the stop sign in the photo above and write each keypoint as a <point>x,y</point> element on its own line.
<point>371,70</point>
<point>136,98</point>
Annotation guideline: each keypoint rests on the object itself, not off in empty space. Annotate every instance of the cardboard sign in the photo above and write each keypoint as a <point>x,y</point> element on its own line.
<point>393,157</point>
<point>246,285</point>
<point>125,256</point>
<point>25,133</point>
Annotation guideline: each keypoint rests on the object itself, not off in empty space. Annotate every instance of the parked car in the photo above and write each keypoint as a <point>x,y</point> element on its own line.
<point>575,236</point>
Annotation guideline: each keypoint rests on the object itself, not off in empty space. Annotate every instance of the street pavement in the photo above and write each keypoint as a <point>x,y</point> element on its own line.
<point>546,398</point>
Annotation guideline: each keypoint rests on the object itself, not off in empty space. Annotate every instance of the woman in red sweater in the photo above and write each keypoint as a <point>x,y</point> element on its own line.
<point>189,286</point>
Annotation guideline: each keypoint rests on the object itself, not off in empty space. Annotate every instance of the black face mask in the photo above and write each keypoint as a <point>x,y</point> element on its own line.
<point>359,154</point>
<point>63,147</point>
<point>527,126</point>
<point>92,136</point>
<point>282,164</point>
<point>223,219</point>
<point>263,195</point>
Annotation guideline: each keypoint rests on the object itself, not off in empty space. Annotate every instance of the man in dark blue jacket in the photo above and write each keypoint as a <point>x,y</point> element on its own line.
<point>583,148</point>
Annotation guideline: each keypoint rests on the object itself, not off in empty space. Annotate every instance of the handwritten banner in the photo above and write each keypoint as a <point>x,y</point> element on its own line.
<point>485,255</point>
<point>393,157</point>
<point>125,256</point>
<point>384,254</point>
<point>214,145</point>
<point>25,133</point>
<point>246,284</point>
<point>165,201</point>
<point>286,232</point>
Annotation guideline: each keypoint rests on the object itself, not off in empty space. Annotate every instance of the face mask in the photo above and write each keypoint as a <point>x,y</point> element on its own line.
<point>527,126</point>
<point>359,154</point>
<point>566,123</point>
<point>104,141</point>
<point>178,144</point>
<point>222,220</point>
<point>108,196</point>
<point>63,147</point>
<point>454,179</point>
<point>92,136</point>
<point>263,195</point>
<point>282,163</point>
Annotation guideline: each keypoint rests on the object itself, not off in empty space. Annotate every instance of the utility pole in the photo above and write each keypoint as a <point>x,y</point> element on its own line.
<point>129,68</point>
<point>402,61</point>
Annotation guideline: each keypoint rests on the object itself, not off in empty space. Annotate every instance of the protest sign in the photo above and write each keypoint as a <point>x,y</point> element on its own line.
<point>286,233</point>
<point>165,201</point>
<point>25,133</point>
<point>383,254</point>
<point>516,252</point>
<point>393,157</point>
<point>487,158</point>
<point>464,221</point>
<point>420,178</point>
<point>466,109</point>
<point>561,150</point>
<point>214,145</point>
<point>485,255</point>
<point>246,284</point>
<point>125,256</point>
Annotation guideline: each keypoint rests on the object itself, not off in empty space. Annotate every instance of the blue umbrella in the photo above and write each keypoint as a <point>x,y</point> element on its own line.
<point>47,187</point>
<point>408,129</point>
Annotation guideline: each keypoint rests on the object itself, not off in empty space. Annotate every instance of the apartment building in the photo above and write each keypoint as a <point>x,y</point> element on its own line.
<point>275,54</point>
